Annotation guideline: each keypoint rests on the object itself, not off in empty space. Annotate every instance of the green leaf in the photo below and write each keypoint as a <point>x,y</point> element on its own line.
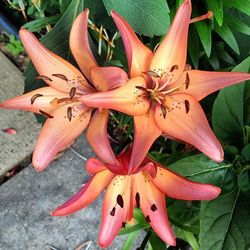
<point>213,60</point>
<point>244,181</point>
<point>226,34</point>
<point>156,243</point>
<point>57,40</point>
<point>217,9</point>
<point>128,244</point>
<point>228,110</point>
<point>225,222</point>
<point>130,229</point>
<point>146,18</point>
<point>242,5</point>
<point>237,25</point>
<point>193,46</point>
<point>246,153</point>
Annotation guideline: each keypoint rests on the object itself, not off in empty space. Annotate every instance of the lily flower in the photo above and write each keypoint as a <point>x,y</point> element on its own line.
<point>172,89</point>
<point>59,102</point>
<point>145,187</point>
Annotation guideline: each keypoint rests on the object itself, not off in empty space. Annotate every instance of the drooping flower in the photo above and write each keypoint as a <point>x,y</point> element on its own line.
<point>145,187</point>
<point>59,102</point>
<point>172,88</point>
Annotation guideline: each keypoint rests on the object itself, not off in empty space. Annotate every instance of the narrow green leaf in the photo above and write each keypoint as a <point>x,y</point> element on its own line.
<point>237,25</point>
<point>128,244</point>
<point>130,229</point>
<point>242,5</point>
<point>193,46</point>
<point>213,60</point>
<point>156,243</point>
<point>217,8</point>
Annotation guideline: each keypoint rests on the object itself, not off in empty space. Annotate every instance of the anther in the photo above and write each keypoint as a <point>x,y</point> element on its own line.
<point>72,92</point>
<point>45,78</point>
<point>148,219</point>
<point>153,207</point>
<point>152,73</point>
<point>173,68</point>
<point>119,200</point>
<point>141,88</point>
<point>45,114</point>
<point>33,98</point>
<point>61,76</point>
<point>164,111</point>
<point>137,200</point>
<point>187,81</point>
<point>69,113</point>
<point>112,212</point>
<point>187,106</point>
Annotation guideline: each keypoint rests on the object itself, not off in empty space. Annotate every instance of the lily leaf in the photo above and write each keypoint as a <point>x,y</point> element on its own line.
<point>217,8</point>
<point>243,6</point>
<point>128,244</point>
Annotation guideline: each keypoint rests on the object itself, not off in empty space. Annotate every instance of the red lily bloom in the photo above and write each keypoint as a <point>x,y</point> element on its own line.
<point>60,101</point>
<point>145,187</point>
<point>172,89</point>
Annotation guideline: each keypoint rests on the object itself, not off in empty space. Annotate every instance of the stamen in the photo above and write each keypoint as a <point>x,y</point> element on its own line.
<point>112,212</point>
<point>61,76</point>
<point>33,98</point>
<point>69,113</point>
<point>141,88</point>
<point>187,81</point>
<point>153,207</point>
<point>173,68</point>
<point>137,200</point>
<point>119,200</point>
<point>148,219</point>
<point>187,106</point>
<point>72,92</point>
<point>164,111</point>
<point>151,73</point>
<point>45,114</point>
<point>208,15</point>
<point>45,78</point>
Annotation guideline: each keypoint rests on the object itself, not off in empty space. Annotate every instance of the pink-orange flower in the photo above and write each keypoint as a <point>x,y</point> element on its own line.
<point>59,102</point>
<point>172,91</point>
<point>145,187</point>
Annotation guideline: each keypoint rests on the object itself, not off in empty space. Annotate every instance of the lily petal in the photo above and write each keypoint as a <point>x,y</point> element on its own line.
<point>127,98</point>
<point>173,49</point>
<point>115,210</point>
<point>98,137</point>
<point>94,165</point>
<point>79,44</point>
<point>146,132</point>
<point>54,70</point>
<point>138,55</point>
<point>153,205</point>
<point>34,101</point>
<point>186,121</point>
<point>87,194</point>
<point>177,187</point>
<point>107,78</point>
<point>59,131</point>
<point>203,83</point>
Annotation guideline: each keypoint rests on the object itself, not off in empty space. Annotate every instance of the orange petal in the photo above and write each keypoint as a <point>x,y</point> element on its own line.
<point>138,55</point>
<point>203,83</point>
<point>116,208</point>
<point>94,165</point>
<point>48,64</point>
<point>127,98</point>
<point>87,194</point>
<point>146,132</point>
<point>176,187</point>
<point>186,121</point>
<point>153,206</point>
<point>39,99</point>
<point>173,49</point>
<point>98,137</point>
<point>58,132</point>
<point>79,44</point>
<point>106,78</point>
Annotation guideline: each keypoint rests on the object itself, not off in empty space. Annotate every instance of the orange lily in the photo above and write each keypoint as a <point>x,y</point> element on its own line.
<point>145,188</point>
<point>172,89</point>
<point>60,100</point>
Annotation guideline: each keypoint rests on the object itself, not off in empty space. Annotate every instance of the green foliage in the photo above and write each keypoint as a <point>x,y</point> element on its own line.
<point>14,46</point>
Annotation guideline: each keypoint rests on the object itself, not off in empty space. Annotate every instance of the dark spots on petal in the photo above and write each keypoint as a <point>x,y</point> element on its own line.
<point>72,92</point>
<point>45,114</point>
<point>61,76</point>
<point>187,106</point>
<point>112,212</point>
<point>148,219</point>
<point>34,97</point>
<point>187,80</point>
<point>69,113</point>
<point>164,111</point>
<point>119,200</point>
<point>173,68</point>
<point>153,207</point>
<point>137,199</point>
<point>45,78</point>
<point>124,224</point>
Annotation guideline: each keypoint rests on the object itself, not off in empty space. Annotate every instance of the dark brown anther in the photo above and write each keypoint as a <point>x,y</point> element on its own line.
<point>112,212</point>
<point>72,92</point>
<point>124,224</point>
<point>45,114</point>
<point>141,88</point>
<point>187,106</point>
<point>61,76</point>
<point>152,73</point>
<point>148,219</point>
<point>33,98</point>
<point>119,200</point>
<point>69,113</point>
<point>137,200</point>
<point>153,207</point>
<point>173,68</point>
<point>45,78</point>
<point>164,111</point>
<point>187,81</point>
